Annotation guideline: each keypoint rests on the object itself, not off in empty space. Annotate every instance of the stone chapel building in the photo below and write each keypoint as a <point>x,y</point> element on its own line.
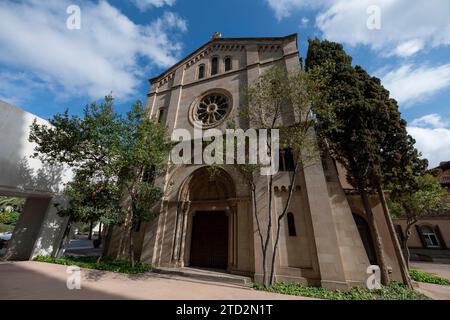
<point>209,223</point>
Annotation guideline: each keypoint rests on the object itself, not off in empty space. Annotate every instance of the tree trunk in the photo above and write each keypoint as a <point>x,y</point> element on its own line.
<point>376,237</point>
<point>107,242</point>
<point>409,225</point>
<point>59,252</point>
<point>91,226</point>
<point>398,250</point>
<point>132,248</point>
<point>121,244</point>
<point>100,232</point>
<point>269,229</point>
<point>263,249</point>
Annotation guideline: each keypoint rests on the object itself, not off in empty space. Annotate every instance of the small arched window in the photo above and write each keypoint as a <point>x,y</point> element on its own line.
<point>201,71</point>
<point>291,225</point>
<point>228,64</point>
<point>214,66</point>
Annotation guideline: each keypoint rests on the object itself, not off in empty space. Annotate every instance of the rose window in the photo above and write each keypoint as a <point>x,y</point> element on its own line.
<point>211,110</point>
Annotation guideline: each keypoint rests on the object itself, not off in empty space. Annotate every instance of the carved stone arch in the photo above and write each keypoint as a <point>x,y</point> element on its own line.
<point>203,185</point>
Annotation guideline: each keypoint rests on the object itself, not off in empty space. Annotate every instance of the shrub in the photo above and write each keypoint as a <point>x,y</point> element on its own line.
<point>395,291</point>
<point>119,266</point>
<point>421,276</point>
<point>7,217</point>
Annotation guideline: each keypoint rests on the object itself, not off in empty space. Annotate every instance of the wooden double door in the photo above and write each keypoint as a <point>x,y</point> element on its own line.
<point>209,242</point>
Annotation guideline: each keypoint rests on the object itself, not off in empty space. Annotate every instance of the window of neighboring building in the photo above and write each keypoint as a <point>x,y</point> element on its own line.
<point>291,225</point>
<point>429,237</point>
<point>214,66</point>
<point>201,71</point>
<point>228,64</point>
<point>287,162</point>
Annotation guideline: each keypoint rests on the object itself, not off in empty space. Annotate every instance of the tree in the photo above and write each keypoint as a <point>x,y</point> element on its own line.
<point>107,154</point>
<point>87,146</point>
<point>276,97</point>
<point>420,198</point>
<point>142,155</point>
<point>352,121</point>
<point>15,204</point>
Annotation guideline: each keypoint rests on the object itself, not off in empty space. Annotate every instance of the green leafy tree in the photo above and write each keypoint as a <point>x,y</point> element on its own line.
<point>109,155</point>
<point>11,202</point>
<point>143,155</point>
<point>278,100</point>
<point>364,131</point>
<point>88,146</point>
<point>418,198</point>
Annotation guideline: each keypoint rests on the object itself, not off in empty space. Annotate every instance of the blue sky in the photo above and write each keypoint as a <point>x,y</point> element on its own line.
<point>45,68</point>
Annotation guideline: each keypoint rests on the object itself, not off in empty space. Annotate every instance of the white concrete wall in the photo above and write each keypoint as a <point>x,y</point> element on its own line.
<point>40,229</point>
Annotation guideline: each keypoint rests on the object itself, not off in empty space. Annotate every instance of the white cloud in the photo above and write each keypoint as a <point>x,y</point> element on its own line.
<point>408,48</point>
<point>431,120</point>
<point>433,143</point>
<point>16,88</point>
<point>147,4</point>
<point>410,84</point>
<point>284,8</point>
<point>304,22</point>
<point>103,56</point>
<point>406,26</point>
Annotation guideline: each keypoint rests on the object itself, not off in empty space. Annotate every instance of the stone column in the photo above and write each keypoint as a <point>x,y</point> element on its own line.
<point>180,233</point>
<point>175,97</point>
<point>27,230</point>
<point>324,228</point>
<point>233,236</point>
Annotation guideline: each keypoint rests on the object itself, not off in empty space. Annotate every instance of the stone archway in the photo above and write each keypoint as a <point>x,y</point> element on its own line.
<point>208,202</point>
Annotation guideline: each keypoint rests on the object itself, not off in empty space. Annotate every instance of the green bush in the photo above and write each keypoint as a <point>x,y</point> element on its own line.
<point>7,217</point>
<point>395,291</point>
<point>119,266</point>
<point>6,228</point>
<point>421,276</point>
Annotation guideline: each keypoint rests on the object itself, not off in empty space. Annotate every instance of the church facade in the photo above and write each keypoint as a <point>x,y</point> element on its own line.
<point>207,222</point>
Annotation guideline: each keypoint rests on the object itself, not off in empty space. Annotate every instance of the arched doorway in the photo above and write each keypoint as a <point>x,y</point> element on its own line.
<point>366,237</point>
<point>211,219</point>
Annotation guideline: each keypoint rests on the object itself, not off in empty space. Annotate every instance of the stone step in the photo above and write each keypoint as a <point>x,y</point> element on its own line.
<point>206,275</point>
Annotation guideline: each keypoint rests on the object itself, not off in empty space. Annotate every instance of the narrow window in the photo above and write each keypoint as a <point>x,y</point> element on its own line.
<point>291,225</point>
<point>161,115</point>
<point>201,71</point>
<point>228,64</point>
<point>214,66</point>
<point>287,162</point>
